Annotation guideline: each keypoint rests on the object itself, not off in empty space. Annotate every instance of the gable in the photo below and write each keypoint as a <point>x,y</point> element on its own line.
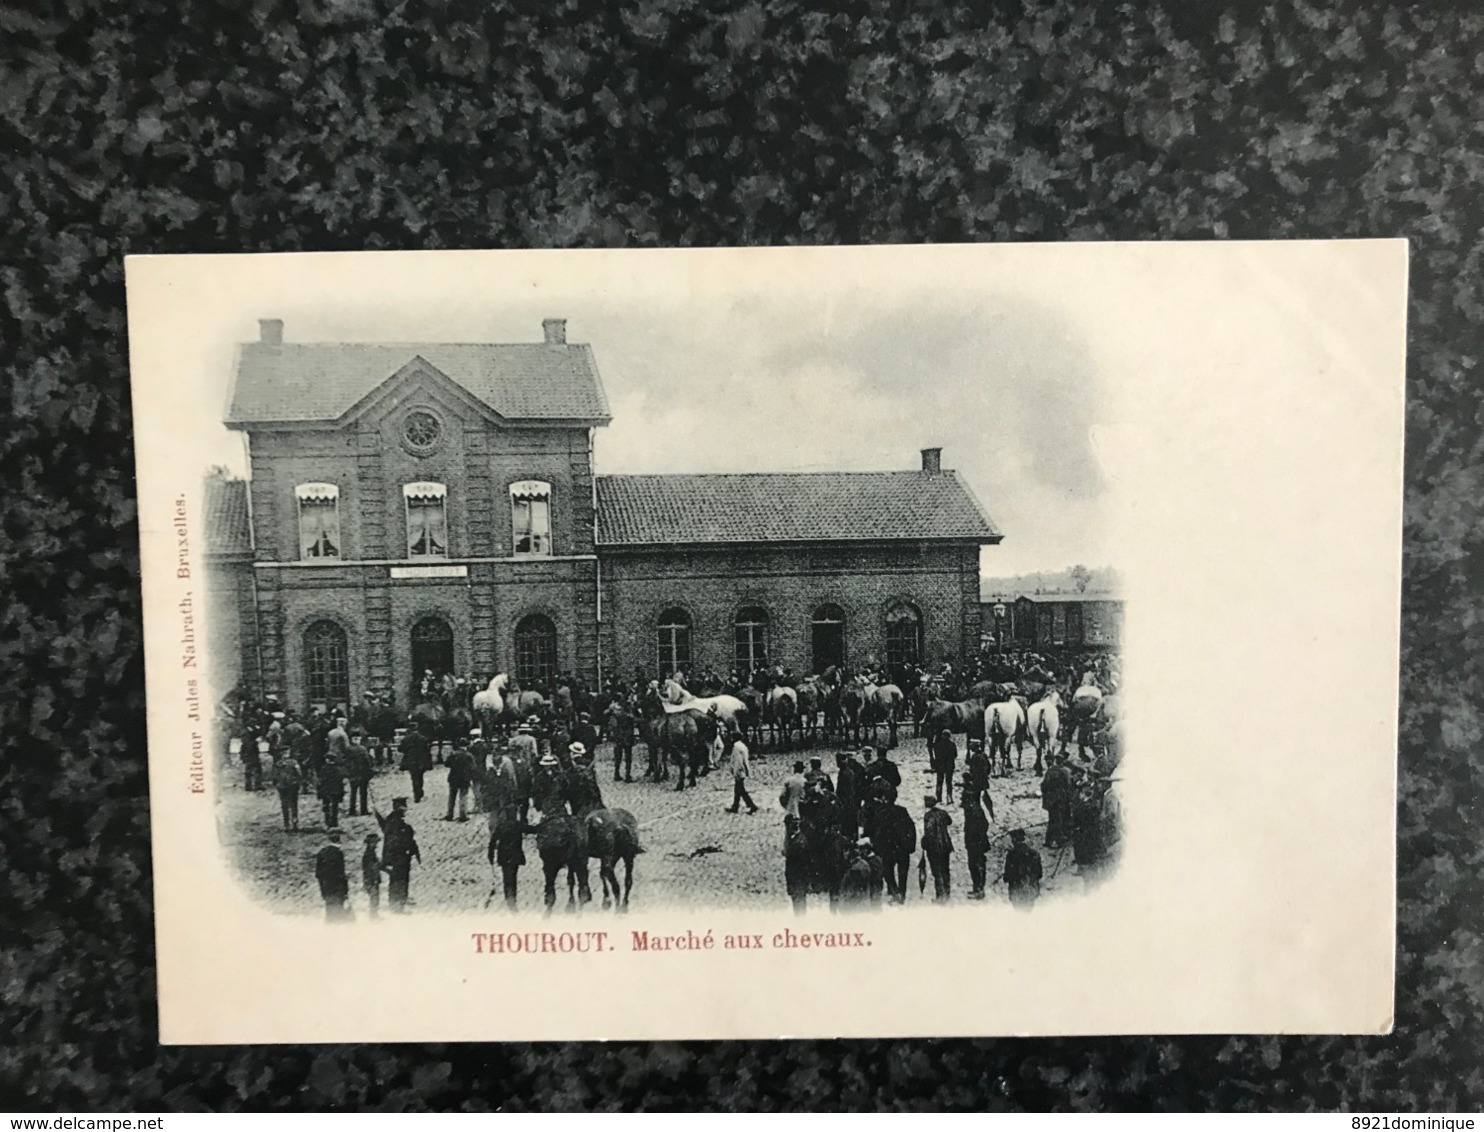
<point>287,383</point>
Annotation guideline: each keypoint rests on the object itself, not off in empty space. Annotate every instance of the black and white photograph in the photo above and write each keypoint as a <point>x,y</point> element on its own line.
<point>569,618</point>
<point>617,605</point>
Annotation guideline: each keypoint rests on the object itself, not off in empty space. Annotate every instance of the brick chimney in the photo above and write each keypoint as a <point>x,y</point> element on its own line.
<point>556,331</point>
<point>932,459</point>
<point>270,331</point>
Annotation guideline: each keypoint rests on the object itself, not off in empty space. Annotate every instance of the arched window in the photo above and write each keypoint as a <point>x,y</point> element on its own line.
<point>432,647</point>
<point>828,632</point>
<point>326,664</point>
<point>530,517</point>
<point>674,642</point>
<point>903,636</point>
<point>536,651</point>
<point>319,520</point>
<point>427,519</point>
<point>750,633</point>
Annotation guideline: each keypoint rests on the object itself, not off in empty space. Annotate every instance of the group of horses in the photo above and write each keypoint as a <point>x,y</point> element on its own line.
<point>576,828</point>
<point>1002,715</point>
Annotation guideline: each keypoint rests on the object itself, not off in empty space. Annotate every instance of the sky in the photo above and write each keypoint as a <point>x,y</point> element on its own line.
<point>789,368</point>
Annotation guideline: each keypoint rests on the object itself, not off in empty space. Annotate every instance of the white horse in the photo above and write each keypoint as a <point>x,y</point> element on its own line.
<point>1004,722</point>
<point>1043,722</point>
<point>492,699</point>
<point>883,704</point>
<point>677,699</point>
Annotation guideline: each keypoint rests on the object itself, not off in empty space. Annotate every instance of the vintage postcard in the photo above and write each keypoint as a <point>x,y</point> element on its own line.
<point>898,641</point>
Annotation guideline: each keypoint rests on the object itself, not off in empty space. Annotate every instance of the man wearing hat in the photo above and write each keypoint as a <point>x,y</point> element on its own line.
<point>460,778</point>
<point>329,870</point>
<point>937,845</point>
<point>1057,796</point>
<point>548,785</point>
<point>585,733</point>
<point>523,745</point>
<point>358,774</point>
<point>417,757</point>
<point>815,777</point>
<point>287,778</point>
<point>583,790</point>
<point>976,837</point>
<point>399,853</point>
<point>740,762</point>
<point>371,874</point>
<point>1022,871</point>
<point>622,727</point>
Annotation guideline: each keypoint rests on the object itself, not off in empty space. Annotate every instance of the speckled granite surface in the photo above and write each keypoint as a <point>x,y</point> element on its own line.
<point>345,124</point>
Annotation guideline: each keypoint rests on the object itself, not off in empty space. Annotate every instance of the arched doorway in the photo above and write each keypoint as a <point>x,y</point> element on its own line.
<point>536,652</point>
<point>828,634</point>
<point>326,664</point>
<point>432,647</point>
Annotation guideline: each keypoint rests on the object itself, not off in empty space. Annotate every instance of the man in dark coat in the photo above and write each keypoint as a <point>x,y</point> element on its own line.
<point>371,874</point>
<point>883,769</point>
<point>585,733</point>
<point>582,790</point>
<point>400,851</point>
<point>330,785</point>
<point>976,839</point>
<point>417,757</point>
<point>945,759</point>
<point>623,728</point>
<point>850,782</point>
<point>506,848</point>
<point>252,762</point>
<point>329,870</point>
<point>937,845</point>
<point>1056,800</point>
<point>460,779</point>
<point>1022,871</point>
<point>358,774</point>
<point>288,776</point>
<point>816,776</point>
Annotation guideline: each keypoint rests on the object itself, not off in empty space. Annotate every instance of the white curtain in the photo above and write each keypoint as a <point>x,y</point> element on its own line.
<point>319,528</point>
<point>532,522</point>
<point>427,527</point>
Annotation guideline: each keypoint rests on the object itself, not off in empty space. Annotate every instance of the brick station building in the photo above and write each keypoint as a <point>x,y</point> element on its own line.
<point>434,506</point>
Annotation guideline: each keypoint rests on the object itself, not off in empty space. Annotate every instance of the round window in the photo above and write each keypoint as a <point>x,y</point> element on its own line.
<point>421,430</point>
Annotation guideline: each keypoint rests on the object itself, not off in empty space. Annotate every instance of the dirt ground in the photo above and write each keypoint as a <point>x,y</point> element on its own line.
<point>696,854</point>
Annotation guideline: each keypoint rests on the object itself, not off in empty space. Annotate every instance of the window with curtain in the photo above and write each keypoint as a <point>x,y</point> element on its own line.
<point>674,642</point>
<point>326,664</point>
<point>750,636</point>
<point>903,636</point>
<point>530,516</point>
<point>427,520</point>
<point>319,520</point>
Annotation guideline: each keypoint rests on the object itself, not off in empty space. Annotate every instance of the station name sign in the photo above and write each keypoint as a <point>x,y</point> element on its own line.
<point>400,572</point>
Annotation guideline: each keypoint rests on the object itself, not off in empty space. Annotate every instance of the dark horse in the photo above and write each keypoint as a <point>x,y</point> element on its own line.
<point>672,736</point>
<point>814,861</point>
<point>613,835</point>
<point>561,840</point>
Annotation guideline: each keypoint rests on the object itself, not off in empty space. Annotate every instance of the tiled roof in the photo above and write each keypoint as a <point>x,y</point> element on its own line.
<point>788,507</point>
<point>320,381</point>
<point>224,510</point>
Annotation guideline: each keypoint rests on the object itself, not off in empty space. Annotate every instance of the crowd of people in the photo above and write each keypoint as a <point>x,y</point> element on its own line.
<point>846,836</point>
